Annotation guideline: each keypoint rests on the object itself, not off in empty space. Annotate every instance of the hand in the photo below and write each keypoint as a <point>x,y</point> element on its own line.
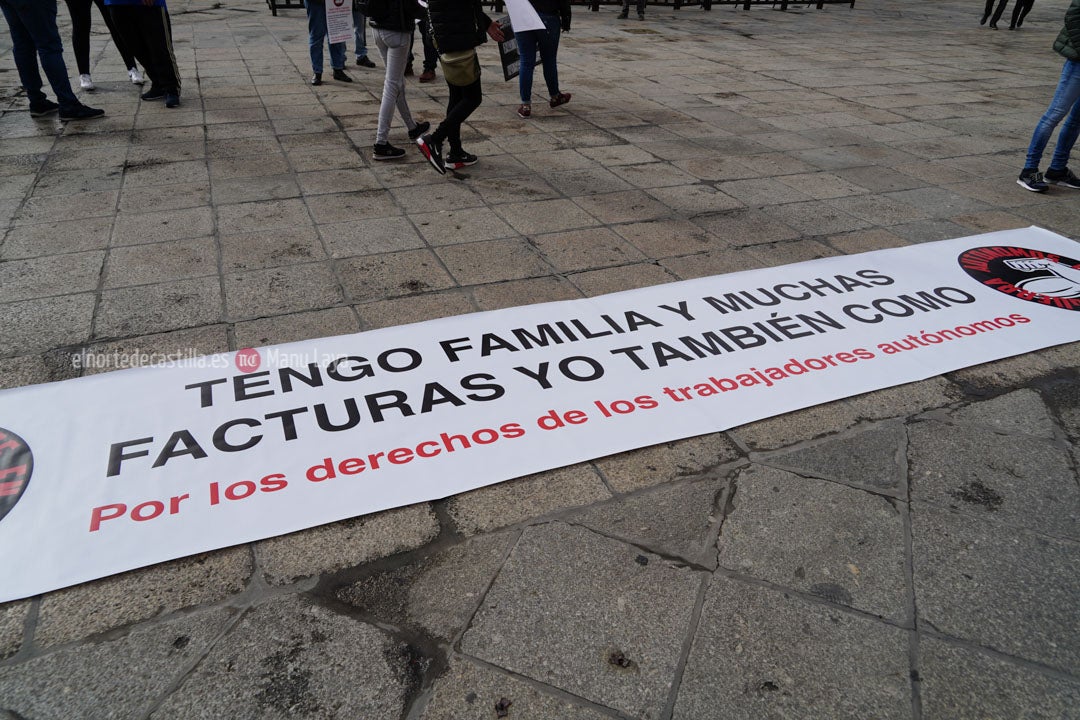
<point>495,32</point>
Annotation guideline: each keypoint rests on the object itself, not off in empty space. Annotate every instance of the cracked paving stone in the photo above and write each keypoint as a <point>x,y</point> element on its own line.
<point>569,601</point>
<point>115,679</point>
<point>759,653</point>
<point>291,658</point>
<point>871,458</point>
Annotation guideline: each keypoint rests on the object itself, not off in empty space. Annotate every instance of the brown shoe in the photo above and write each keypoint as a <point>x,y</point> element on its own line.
<point>427,76</point>
<point>524,110</point>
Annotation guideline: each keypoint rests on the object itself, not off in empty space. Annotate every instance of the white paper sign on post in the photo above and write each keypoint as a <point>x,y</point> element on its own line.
<point>339,24</point>
<point>119,470</point>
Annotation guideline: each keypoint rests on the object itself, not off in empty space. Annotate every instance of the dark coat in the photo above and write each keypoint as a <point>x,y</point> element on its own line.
<point>398,15</point>
<point>457,24</point>
<point>1068,40</point>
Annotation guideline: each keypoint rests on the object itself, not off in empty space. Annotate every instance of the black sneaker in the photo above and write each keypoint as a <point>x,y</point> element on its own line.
<point>365,62</point>
<point>420,129</point>
<point>43,108</point>
<point>154,94</point>
<point>341,76</point>
<point>1032,180</point>
<point>172,100</point>
<point>432,152</point>
<point>81,112</point>
<point>460,159</point>
<point>1062,177</point>
<point>623,15</point>
<point>386,151</point>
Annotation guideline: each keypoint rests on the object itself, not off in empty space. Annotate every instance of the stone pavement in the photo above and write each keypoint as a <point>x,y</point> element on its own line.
<point>910,553</point>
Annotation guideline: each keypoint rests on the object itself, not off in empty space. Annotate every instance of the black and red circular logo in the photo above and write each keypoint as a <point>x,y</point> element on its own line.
<point>16,465</point>
<point>1032,275</point>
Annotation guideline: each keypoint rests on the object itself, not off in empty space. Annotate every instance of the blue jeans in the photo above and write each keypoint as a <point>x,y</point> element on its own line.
<point>360,33</point>
<point>316,25</point>
<point>33,35</point>
<point>394,48</point>
<point>547,41</point>
<point>1066,102</point>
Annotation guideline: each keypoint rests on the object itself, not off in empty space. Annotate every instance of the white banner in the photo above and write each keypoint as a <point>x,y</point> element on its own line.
<point>120,470</point>
<point>339,25</point>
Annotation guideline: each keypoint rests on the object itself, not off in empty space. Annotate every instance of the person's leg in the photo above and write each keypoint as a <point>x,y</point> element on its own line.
<point>463,102</point>
<point>431,55</point>
<point>38,19</point>
<point>155,26</point>
<point>25,55</point>
<point>986,13</point>
<point>998,13</point>
<point>1017,7</point>
<point>549,53</point>
<point>625,9</point>
<point>394,49</point>
<point>526,42</point>
<point>80,33</point>
<point>316,24</point>
<point>125,21</point>
<point>1071,128</point>
<point>1027,5</point>
<point>338,51</point>
<point>359,34</point>
<point>1065,97</point>
<point>641,8</point>
<point>121,45</point>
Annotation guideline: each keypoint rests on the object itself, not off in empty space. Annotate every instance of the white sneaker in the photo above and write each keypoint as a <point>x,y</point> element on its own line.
<point>136,76</point>
<point>85,82</point>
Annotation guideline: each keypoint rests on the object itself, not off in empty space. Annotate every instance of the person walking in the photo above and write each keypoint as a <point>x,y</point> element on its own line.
<point>555,14</point>
<point>80,41</point>
<point>393,22</point>
<point>641,9</point>
<point>34,34</point>
<point>317,32</point>
<point>458,27</point>
<point>146,29</point>
<point>1020,11</point>
<point>1065,104</point>
<point>997,14</point>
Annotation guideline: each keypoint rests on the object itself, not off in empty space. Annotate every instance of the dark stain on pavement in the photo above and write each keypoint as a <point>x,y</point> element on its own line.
<point>975,493</point>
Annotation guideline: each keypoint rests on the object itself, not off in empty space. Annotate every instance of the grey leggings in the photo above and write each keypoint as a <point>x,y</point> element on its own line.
<point>394,48</point>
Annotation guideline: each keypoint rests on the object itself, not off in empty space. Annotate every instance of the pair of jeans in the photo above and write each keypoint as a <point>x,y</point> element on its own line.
<point>34,34</point>
<point>464,99</point>
<point>80,33</point>
<point>316,25</point>
<point>1066,102</point>
<point>359,25</point>
<point>394,48</point>
<point>547,42</point>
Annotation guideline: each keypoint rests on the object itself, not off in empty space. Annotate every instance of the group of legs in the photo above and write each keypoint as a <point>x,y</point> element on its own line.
<point>1020,11</point>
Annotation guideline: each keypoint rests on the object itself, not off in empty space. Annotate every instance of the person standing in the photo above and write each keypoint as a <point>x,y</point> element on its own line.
<point>1065,104</point>
<point>146,29</point>
<point>317,32</point>
<point>641,9</point>
<point>34,34</point>
<point>393,22</point>
<point>80,41</point>
<point>458,27</point>
<point>359,21</point>
<point>555,14</point>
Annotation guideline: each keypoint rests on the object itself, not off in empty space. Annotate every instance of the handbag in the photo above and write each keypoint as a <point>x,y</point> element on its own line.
<point>460,67</point>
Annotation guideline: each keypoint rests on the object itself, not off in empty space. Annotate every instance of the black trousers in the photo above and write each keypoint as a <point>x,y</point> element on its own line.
<point>148,32</point>
<point>463,101</point>
<point>640,6</point>
<point>1020,11</point>
<point>997,13</point>
<point>80,33</point>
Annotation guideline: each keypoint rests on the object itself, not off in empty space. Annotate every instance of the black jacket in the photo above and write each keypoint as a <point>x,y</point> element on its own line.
<point>1068,40</point>
<point>398,15</point>
<point>554,7</point>
<point>457,24</point>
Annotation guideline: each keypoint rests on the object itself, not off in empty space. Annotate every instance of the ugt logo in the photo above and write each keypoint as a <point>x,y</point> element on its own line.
<point>16,464</point>
<point>1032,275</point>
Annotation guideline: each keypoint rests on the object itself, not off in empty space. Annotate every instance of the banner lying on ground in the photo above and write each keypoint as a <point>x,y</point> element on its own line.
<point>119,470</point>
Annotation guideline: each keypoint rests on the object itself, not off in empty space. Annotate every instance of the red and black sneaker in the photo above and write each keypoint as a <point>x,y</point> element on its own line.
<point>460,159</point>
<point>432,152</point>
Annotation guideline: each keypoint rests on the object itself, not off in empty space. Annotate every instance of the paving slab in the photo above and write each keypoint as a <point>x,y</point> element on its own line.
<point>763,653</point>
<point>589,615</point>
<point>1005,589</point>
<point>291,658</point>
<point>840,544</point>
<point>960,682</point>
<point>869,458</point>
<point>119,678</point>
